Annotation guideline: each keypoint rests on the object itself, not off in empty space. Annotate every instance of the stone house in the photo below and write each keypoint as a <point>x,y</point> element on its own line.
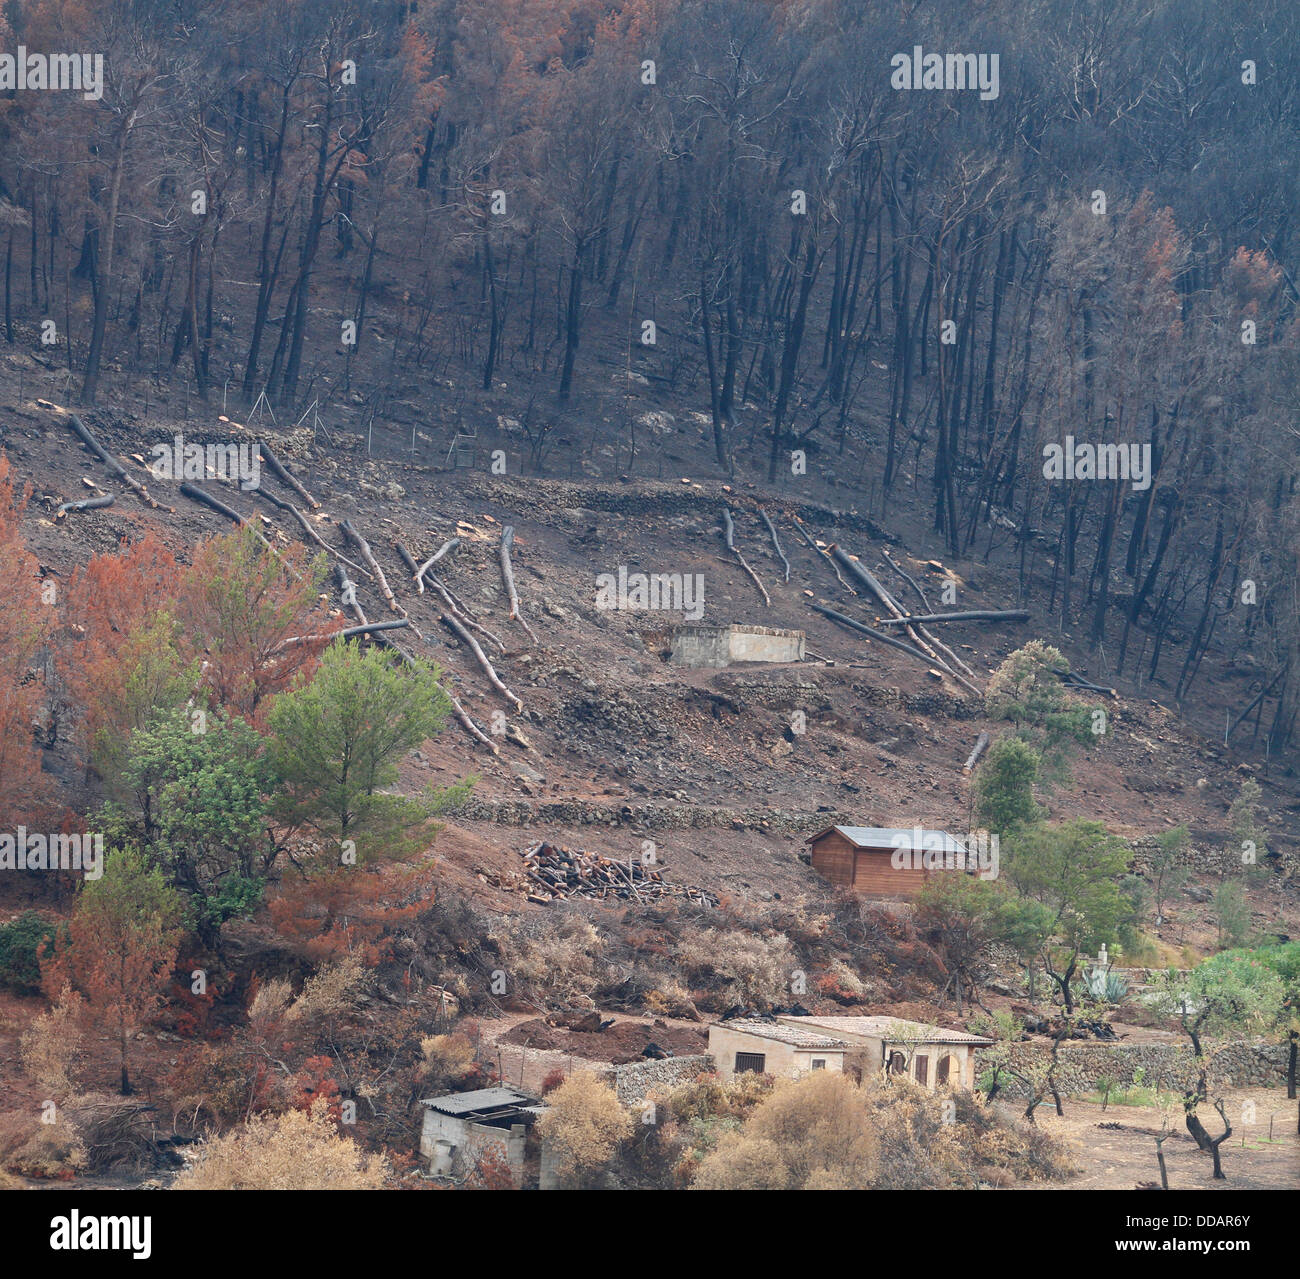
<point>860,1046</point>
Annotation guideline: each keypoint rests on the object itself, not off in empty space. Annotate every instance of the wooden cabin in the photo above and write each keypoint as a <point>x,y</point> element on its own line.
<point>865,859</point>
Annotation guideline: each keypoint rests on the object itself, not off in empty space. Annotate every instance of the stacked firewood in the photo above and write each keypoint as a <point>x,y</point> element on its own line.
<point>554,871</point>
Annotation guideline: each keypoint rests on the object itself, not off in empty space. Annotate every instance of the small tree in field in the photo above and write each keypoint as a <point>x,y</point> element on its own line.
<point>335,746</point>
<point>1072,870</point>
<point>963,917</point>
<point>1168,870</point>
<point>119,947</point>
<point>1284,960</point>
<point>1233,993</point>
<point>1248,847</point>
<point>1230,910</point>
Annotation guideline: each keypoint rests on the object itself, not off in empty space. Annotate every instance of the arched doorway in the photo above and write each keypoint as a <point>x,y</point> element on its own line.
<point>945,1065</point>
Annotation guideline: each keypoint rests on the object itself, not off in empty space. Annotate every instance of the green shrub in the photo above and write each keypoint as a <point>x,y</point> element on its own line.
<point>20,944</point>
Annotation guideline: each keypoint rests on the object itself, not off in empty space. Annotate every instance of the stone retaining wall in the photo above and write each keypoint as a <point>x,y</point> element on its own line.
<point>520,812</point>
<point>1168,1066</point>
<point>632,1082</point>
<point>720,645</point>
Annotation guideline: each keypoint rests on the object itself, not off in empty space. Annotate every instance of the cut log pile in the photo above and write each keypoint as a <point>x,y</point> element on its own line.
<point>553,871</point>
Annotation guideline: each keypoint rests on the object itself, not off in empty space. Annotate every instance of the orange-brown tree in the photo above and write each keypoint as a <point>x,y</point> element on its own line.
<point>119,948</point>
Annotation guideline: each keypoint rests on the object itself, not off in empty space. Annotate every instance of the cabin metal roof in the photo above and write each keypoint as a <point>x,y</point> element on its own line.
<point>896,837</point>
<point>483,1103</point>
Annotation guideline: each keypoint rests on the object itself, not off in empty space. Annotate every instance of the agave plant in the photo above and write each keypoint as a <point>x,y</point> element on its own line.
<point>1104,986</point>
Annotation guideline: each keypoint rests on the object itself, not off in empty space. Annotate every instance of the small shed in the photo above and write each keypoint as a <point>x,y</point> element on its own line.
<point>460,1128</point>
<point>883,861</point>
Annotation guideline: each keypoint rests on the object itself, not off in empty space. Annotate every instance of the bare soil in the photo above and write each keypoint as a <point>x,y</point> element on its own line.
<point>1117,1150</point>
<point>622,1042</point>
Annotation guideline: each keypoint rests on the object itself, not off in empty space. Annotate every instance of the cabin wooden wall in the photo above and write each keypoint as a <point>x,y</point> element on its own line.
<point>874,876</point>
<point>832,856</point>
<point>864,871</point>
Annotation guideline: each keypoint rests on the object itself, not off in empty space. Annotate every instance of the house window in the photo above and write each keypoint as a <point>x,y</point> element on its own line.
<point>756,1062</point>
<point>819,1063</point>
<point>922,1069</point>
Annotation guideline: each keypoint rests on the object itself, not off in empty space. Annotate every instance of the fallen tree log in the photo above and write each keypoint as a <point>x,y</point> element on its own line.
<point>825,555</point>
<point>462,614</point>
<point>950,662</point>
<point>971,615</point>
<point>447,546</point>
<point>907,578</point>
<point>196,494</point>
<point>729,536</point>
<point>867,578</point>
<point>508,574</point>
<point>981,745</point>
<point>349,531</point>
<point>347,633</point>
<point>114,466</point>
<point>348,590</point>
<point>1077,681</point>
<point>472,644</point>
<point>282,473</point>
<point>457,609</point>
<point>468,724</point>
<point>306,526</point>
<point>461,609</point>
<point>776,543</point>
<point>863,629</point>
<point>86,504</point>
<point>952,658</point>
<point>408,560</point>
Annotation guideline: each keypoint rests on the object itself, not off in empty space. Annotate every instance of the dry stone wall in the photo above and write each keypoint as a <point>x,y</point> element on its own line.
<point>1166,1066</point>
<point>632,1083</point>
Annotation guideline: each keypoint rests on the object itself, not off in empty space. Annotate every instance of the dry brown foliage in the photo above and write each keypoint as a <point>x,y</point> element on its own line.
<point>582,1128</point>
<point>298,1150</point>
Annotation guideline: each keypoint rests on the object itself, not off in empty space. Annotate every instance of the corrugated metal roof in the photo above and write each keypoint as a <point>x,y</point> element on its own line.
<point>896,1029</point>
<point>896,837</point>
<point>481,1099</point>
<point>795,1036</point>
